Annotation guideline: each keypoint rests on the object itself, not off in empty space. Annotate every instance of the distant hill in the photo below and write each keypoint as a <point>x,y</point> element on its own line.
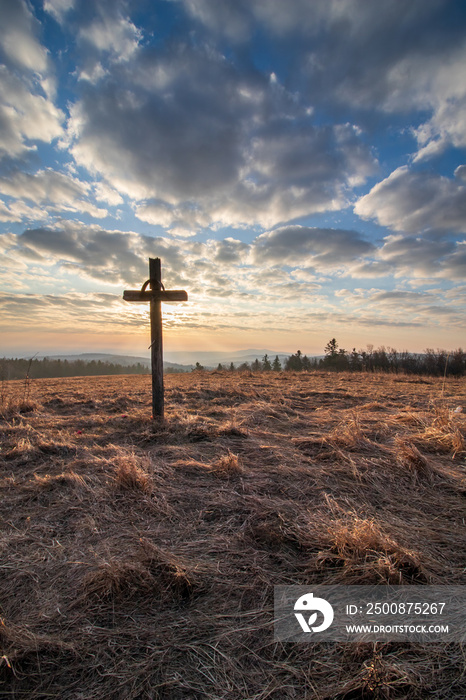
<point>179,360</point>
<point>125,360</point>
<point>212,359</point>
<point>103,357</point>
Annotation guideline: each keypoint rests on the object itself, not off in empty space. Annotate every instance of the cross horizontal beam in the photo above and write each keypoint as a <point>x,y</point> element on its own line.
<point>155,295</point>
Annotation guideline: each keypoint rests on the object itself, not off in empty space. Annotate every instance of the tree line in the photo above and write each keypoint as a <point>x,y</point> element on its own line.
<point>48,368</point>
<point>431,362</point>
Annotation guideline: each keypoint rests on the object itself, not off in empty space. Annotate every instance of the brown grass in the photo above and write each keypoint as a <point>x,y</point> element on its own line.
<point>366,555</point>
<point>138,558</point>
<point>130,474</point>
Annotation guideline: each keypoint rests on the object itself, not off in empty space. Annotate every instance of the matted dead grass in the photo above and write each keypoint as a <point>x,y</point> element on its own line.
<point>138,558</point>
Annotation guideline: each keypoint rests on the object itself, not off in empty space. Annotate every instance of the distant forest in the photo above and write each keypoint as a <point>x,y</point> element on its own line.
<point>437,363</point>
<point>46,368</point>
<point>431,362</point>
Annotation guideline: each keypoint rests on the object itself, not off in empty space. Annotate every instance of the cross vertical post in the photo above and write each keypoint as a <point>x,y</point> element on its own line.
<point>155,295</point>
<point>156,346</point>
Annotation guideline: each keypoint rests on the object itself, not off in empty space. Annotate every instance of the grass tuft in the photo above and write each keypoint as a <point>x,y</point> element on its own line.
<point>129,474</point>
<point>415,463</point>
<point>368,556</point>
<point>116,579</point>
<point>12,406</point>
<point>227,466</point>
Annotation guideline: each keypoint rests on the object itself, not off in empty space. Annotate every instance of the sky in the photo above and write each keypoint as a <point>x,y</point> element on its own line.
<point>299,167</point>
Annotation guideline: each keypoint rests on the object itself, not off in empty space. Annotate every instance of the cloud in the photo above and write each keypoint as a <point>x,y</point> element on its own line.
<point>49,188</point>
<point>419,259</point>
<point>180,232</point>
<point>297,18</point>
<point>368,269</point>
<point>113,34</point>
<point>104,193</point>
<point>460,173</point>
<point>42,186</point>
<point>386,56</point>
<point>173,149</point>
<point>187,215</point>
<point>25,116</point>
<point>395,298</point>
<point>90,252</point>
<point>232,20</point>
<point>27,110</point>
<point>58,8</point>
<point>19,211</point>
<point>93,72</point>
<point>203,142</point>
<point>428,308</point>
<point>94,253</point>
<point>302,246</point>
<point>415,202</point>
<point>235,121</point>
<point>231,269</point>
<point>18,40</point>
<point>417,57</point>
<point>441,88</point>
<point>66,313</point>
<point>217,268</point>
<point>225,279</point>
<point>414,256</point>
<point>228,251</point>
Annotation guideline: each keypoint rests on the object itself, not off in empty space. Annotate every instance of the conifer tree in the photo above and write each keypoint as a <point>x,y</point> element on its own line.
<point>266,364</point>
<point>294,363</point>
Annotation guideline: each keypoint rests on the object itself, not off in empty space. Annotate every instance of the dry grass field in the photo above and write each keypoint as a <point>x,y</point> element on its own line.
<point>138,559</point>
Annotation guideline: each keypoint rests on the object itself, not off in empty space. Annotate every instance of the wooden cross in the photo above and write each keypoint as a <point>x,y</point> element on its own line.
<point>155,296</point>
